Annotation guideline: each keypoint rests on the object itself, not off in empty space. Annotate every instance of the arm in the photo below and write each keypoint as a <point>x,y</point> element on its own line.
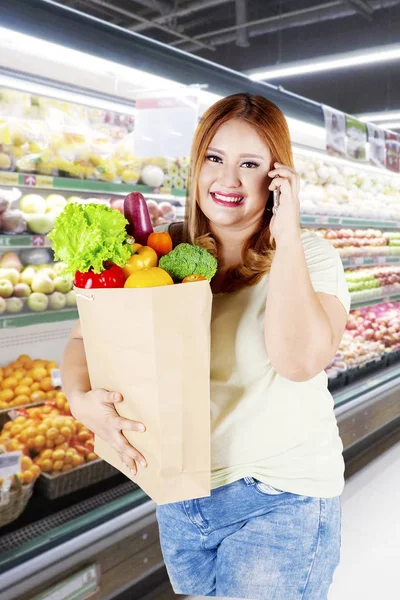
<point>74,371</point>
<point>96,409</point>
<point>303,328</point>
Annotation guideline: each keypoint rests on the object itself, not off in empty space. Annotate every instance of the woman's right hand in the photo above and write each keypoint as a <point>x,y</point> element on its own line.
<point>96,410</point>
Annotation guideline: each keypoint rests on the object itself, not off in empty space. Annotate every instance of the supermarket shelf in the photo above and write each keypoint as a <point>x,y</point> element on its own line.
<point>370,261</point>
<point>23,320</point>
<point>24,241</point>
<point>355,303</point>
<point>81,185</point>
<point>323,221</point>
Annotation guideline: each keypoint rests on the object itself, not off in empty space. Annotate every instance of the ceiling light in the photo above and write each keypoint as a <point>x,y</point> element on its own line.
<point>328,63</point>
<point>379,116</point>
<point>390,125</point>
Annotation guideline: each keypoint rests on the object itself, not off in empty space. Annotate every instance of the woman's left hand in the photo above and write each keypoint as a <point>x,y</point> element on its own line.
<point>285,223</point>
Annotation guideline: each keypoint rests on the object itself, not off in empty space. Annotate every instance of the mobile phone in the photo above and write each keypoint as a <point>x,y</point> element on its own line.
<point>276,197</point>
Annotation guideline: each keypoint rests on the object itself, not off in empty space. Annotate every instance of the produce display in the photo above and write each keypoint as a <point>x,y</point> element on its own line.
<point>27,285</point>
<point>97,247</point>
<point>371,332</point>
<point>49,437</point>
<point>26,380</point>
<point>52,137</point>
<point>332,189</point>
<point>362,242</point>
<point>372,282</point>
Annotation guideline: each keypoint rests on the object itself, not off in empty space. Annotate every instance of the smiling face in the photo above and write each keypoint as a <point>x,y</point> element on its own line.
<point>233,182</point>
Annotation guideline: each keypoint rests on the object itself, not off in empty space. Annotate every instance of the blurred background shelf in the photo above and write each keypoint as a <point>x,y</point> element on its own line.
<point>26,319</point>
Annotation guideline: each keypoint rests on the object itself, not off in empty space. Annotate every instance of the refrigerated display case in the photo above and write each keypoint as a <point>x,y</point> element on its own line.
<point>70,92</point>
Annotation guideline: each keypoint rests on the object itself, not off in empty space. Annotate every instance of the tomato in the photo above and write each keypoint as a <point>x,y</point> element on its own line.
<point>145,278</point>
<point>194,277</point>
<point>161,242</point>
<point>143,257</point>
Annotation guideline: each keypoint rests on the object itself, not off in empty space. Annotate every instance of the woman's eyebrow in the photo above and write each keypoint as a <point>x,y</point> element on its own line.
<point>240,155</point>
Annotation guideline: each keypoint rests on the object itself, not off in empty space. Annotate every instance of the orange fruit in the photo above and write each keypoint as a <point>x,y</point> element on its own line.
<point>26,463</point>
<point>46,384</point>
<point>8,372</point>
<point>23,357</point>
<point>6,395</point>
<point>35,470</point>
<point>58,465</point>
<point>26,381</point>
<point>67,467</point>
<point>21,399</point>
<point>22,389</point>
<point>38,373</point>
<point>9,383</point>
<point>38,396</point>
<point>19,374</point>
<point>46,465</point>
<point>35,386</point>
<point>51,395</point>
<point>50,365</point>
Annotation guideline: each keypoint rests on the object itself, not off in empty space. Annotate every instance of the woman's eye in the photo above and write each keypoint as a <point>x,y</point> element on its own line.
<point>210,157</point>
<point>253,165</point>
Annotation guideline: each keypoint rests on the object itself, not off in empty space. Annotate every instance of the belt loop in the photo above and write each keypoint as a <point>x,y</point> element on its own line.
<point>249,481</point>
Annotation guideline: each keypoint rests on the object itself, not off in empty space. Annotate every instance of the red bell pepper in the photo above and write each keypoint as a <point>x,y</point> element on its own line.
<point>112,277</point>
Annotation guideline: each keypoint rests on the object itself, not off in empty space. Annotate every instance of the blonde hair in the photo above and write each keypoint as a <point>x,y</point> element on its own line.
<point>272,127</point>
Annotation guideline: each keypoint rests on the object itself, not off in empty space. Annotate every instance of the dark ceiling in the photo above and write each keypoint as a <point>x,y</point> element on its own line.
<point>287,31</point>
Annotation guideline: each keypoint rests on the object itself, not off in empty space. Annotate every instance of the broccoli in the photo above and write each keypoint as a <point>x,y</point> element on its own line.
<point>186,260</point>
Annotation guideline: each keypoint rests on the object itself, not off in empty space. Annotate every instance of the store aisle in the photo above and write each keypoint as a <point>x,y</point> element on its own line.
<point>370,533</point>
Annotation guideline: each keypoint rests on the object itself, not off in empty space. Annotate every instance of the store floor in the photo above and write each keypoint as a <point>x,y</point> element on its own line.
<point>369,566</point>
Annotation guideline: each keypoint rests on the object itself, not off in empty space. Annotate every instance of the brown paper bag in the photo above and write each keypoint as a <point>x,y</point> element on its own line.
<point>153,346</point>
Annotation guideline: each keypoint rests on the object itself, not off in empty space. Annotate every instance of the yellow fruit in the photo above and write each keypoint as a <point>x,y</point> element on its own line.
<point>38,396</point>
<point>58,465</point>
<point>26,463</point>
<point>35,470</point>
<point>59,454</point>
<point>20,400</point>
<point>26,381</point>
<point>67,467</point>
<point>46,384</point>
<point>6,395</point>
<point>9,383</point>
<point>46,465</point>
<point>151,277</point>
<point>52,433</point>
<point>23,390</point>
<point>38,373</point>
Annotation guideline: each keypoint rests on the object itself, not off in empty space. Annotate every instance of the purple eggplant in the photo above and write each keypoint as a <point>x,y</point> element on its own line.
<point>137,213</point>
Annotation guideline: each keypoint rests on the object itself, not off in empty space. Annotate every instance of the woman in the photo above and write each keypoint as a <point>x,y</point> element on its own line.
<point>271,527</point>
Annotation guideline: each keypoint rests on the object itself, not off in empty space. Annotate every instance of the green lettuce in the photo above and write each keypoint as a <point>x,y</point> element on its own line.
<point>84,236</point>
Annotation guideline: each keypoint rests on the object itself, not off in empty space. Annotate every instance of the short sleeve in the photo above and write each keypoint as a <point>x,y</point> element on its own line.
<point>325,268</point>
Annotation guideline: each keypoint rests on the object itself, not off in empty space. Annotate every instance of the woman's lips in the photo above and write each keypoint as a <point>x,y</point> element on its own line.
<point>223,200</point>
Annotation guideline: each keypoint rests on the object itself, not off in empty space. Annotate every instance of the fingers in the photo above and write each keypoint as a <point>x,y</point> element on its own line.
<point>122,446</point>
<point>126,425</point>
<point>129,463</point>
<point>278,182</point>
<point>283,171</point>
<point>114,397</point>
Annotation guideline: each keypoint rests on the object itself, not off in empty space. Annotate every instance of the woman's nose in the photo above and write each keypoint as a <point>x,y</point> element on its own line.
<point>228,176</point>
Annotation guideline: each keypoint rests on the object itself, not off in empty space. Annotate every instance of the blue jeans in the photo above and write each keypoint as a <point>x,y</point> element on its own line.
<point>249,540</point>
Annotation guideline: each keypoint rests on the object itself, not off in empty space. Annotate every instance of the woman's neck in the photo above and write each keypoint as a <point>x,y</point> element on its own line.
<point>231,244</point>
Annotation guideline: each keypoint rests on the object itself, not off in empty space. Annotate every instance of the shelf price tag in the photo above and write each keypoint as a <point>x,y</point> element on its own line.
<point>77,587</point>
<point>356,261</point>
<point>56,378</point>
<point>8,178</point>
<point>10,463</point>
